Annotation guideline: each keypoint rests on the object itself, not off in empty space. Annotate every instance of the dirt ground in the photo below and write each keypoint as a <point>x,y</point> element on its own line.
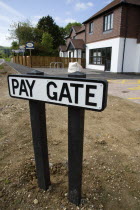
<point>111,165</point>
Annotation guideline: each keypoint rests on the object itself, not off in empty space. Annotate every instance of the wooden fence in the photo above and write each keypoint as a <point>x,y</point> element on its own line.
<point>45,61</point>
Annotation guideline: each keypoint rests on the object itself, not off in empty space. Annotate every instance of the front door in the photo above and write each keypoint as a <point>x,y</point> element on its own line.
<point>108,58</point>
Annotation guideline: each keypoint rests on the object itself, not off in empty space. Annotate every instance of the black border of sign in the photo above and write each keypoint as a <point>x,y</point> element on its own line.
<point>104,82</point>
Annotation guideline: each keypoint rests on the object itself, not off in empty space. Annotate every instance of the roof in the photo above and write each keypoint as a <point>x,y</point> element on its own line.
<point>77,43</point>
<point>113,4</point>
<point>76,28</point>
<point>82,28</point>
<point>63,48</point>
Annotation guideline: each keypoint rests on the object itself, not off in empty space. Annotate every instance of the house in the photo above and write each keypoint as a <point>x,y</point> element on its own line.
<point>75,43</point>
<point>112,37</point>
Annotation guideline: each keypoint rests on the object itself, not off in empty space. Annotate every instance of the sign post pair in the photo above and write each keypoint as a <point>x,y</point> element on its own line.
<point>74,91</point>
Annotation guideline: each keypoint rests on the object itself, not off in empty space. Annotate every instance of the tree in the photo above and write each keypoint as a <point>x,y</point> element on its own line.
<point>15,45</point>
<point>22,31</point>
<point>47,43</point>
<point>69,25</point>
<point>37,35</point>
<point>47,24</point>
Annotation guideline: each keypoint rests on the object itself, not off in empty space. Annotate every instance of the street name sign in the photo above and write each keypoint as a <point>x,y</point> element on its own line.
<point>18,51</point>
<point>79,92</point>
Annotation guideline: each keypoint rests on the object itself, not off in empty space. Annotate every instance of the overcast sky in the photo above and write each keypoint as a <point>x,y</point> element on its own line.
<point>62,11</point>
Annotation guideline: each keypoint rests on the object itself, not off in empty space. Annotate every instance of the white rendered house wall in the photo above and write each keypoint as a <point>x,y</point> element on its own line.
<point>77,53</point>
<point>131,55</point>
<point>115,58</point>
<point>74,53</point>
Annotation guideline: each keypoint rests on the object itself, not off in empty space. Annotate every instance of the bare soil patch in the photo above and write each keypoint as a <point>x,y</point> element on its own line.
<point>111,165</point>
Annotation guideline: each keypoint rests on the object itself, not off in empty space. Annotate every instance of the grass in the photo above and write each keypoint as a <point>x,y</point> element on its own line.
<point>2,70</point>
<point>7,59</point>
<point>7,181</point>
<point>1,67</point>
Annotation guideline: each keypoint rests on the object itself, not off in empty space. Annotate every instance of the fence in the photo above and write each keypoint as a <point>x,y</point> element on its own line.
<point>45,61</point>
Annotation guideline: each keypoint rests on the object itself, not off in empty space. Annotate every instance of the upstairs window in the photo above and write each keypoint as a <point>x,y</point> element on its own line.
<point>108,22</point>
<point>91,28</point>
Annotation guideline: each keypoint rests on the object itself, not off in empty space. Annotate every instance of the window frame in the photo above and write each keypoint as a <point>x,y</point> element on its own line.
<point>98,59</point>
<point>91,31</point>
<point>108,22</point>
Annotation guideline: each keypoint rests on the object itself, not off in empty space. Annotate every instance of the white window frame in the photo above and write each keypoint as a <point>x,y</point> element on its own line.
<point>108,22</point>
<point>91,28</point>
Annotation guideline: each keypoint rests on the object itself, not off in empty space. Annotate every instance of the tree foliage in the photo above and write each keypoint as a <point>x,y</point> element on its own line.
<point>47,43</point>
<point>47,24</point>
<point>69,25</point>
<point>14,45</point>
<point>47,35</point>
<point>22,31</point>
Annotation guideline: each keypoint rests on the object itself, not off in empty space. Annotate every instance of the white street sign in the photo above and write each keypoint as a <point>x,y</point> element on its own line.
<point>22,47</point>
<point>84,93</point>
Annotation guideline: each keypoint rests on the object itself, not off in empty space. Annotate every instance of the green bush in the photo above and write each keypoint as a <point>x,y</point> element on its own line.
<point>1,66</point>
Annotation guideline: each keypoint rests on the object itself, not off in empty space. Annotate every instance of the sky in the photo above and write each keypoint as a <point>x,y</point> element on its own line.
<point>62,11</point>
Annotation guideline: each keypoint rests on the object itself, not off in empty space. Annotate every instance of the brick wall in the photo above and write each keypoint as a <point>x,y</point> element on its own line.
<point>130,25</point>
<point>126,15</point>
<point>81,35</point>
<point>98,33</point>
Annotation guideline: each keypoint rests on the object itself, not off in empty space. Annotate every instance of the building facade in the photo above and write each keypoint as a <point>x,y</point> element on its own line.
<point>109,40</point>
<point>75,43</point>
<point>113,38</point>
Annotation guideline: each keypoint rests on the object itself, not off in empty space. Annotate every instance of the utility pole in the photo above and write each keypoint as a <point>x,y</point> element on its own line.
<point>19,35</point>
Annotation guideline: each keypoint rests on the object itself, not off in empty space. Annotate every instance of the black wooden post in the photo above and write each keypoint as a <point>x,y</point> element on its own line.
<point>38,124</point>
<point>75,148</point>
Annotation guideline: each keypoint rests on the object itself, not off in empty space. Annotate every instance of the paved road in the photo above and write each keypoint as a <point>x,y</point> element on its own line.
<point>19,68</point>
<point>121,85</point>
<point>1,61</point>
<point>91,73</point>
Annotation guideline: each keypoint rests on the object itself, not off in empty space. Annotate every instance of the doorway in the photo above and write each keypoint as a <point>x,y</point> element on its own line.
<point>108,58</point>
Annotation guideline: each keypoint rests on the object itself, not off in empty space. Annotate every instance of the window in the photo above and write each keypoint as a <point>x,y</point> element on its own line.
<point>95,57</point>
<point>91,27</point>
<point>99,56</point>
<point>108,22</point>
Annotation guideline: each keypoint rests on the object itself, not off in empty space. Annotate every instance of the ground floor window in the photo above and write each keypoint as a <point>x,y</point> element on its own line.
<point>99,56</point>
